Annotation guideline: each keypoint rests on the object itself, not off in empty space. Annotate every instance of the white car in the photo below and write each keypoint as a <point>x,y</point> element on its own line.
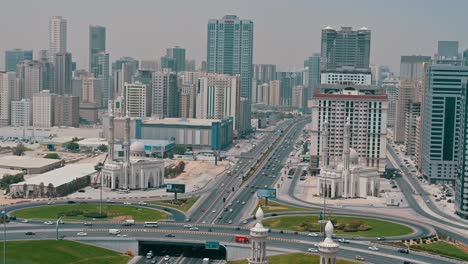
<point>127,203</point>
<point>124,235</point>
<point>373,248</point>
<point>194,228</point>
<point>204,222</point>
<point>81,234</point>
<point>230,210</point>
<point>243,202</point>
<point>214,211</point>
<point>25,221</point>
<point>312,234</point>
<point>245,222</point>
<point>313,250</point>
<point>142,203</point>
<point>51,202</point>
<point>230,222</point>
<point>188,226</point>
<point>48,223</point>
<point>167,257</point>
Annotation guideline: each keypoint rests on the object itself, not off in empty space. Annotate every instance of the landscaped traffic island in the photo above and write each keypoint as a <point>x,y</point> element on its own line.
<point>183,204</point>
<point>346,226</point>
<point>293,259</point>
<point>275,207</point>
<point>86,212</point>
<point>443,248</point>
<point>58,252</point>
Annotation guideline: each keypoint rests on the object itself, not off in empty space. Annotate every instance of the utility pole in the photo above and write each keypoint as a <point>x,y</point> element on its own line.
<point>57,226</point>
<point>4,235</point>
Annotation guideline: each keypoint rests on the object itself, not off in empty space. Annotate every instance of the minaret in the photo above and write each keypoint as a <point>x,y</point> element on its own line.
<point>328,248</point>
<point>258,234</point>
<point>127,152</point>
<point>111,133</point>
<point>325,143</point>
<point>346,152</point>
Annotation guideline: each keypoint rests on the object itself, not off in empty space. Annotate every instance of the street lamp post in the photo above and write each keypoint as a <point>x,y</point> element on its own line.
<point>4,235</point>
<point>57,226</point>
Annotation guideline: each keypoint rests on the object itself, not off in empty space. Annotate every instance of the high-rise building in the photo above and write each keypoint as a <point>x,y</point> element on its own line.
<point>15,56</point>
<point>447,49</point>
<point>67,111</point>
<point>117,65</point>
<point>442,121</point>
<point>7,87</point>
<point>97,44</point>
<point>102,72</point>
<point>188,100</point>
<point>345,49</point>
<point>43,109</point>
<point>264,73</point>
<point>360,78</point>
<point>57,36</point>
<point>190,65</point>
<point>461,179</point>
<point>91,91</point>
<point>261,93</point>
<point>48,71</point>
<point>275,93</point>
<point>407,94</point>
<point>298,96</point>
<point>63,73</point>
<point>165,95</point>
<point>174,59</point>
<point>366,106</point>
<point>21,113</point>
<point>30,78</point>
<point>230,50</point>
<point>288,80</point>
<point>414,111</point>
<point>411,67</point>
<point>149,65</point>
<point>218,97</point>
<point>136,99</point>
<point>313,67</point>
<point>391,88</point>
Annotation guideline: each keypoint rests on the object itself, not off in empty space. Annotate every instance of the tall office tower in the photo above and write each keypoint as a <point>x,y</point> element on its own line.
<point>21,113</point>
<point>136,99</point>
<point>391,87</point>
<point>57,36</point>
<point>299,97</point>
<point>447,49</point>
<point>313,66</point>
<point>48,79</point>
<point>366,109</point>
<point>67,111</point>
<point>97,44</point>
<point>230,50</point>
<point>43,109</point>
<point>465,57</point>
<point>15,56</point>
<point>30,78</point>
<point>260,94</point>
<point>218,97</point>
<point>191,77</point>
<point>407,94</point>
<point>411,67</point>
<point>275,93</point>
<point>117,65</point>
<point>414,111</point>
<point>188,99</point>
<point>190,65</point>
<point>287,81</point>
<point>149,65</point>
<point>91,91</point>
<point>264,73</point>
<point>345,49</point>
<point>102,72</point>
<point>7,88</point>
<point>461,179</point>
<point>165,95</point>
<point>203,66</point>
<point>379,73</point>
<point>63,73</point>
<point>442,112</point>
<point>174,59</point>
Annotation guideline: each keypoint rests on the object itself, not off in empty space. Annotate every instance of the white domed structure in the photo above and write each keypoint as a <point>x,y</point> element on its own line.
<point>259,235</point>
<point>137,147</point>
<point>259,215</point>
<point>353,156</point>
<point>328,248</point>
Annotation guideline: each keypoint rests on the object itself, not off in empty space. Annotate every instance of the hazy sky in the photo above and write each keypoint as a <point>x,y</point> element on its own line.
<point>285,32</point>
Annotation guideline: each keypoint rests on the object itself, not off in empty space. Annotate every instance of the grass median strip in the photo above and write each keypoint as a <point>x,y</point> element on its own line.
<point>86,212</point>
<point>275,207</point>
<point>443,248</point>
<point>293,259</point>
<point>183,204</point>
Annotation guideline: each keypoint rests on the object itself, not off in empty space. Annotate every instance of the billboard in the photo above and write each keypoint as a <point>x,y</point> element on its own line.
<point>266,193</point>
<point>175,188</point>
<point>212,245</point>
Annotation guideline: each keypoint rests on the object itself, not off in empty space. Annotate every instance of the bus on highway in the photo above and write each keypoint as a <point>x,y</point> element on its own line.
<point>241,239</point>
<point>151,224</point>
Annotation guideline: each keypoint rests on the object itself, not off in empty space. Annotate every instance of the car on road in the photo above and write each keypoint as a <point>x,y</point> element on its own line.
<point>245,222</point>
<point>153,261</point>
<point>342,240</point>
<point>51,202</point>
<point>381,238</point>
<point>373,248</point>
<point>243,202</point>
<point>30,233</point>
<point>87,224</point>
<point>188,226</point>
<point>167,257</point>
<point>48,223</point>
<point>81,234</point>
<point>230,222</point>
<point>312,234</point>
<point>230,210</point>
<point>142,203</point>
<point>25,221</point>
<point>169,235</point>
<point>403,250</point>
<point>127,203</point>
<point>313,250</point>
<point>214,211</point>
<point>194,228</point>
<point>359,258</point>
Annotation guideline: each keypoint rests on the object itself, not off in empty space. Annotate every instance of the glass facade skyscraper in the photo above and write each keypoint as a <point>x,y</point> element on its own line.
<point>97,43</point>
<point>15,56</point>
<point>313,65</point>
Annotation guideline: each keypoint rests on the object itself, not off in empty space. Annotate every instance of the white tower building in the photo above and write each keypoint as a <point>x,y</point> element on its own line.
<point>258,234</point>
<point>328,248</point>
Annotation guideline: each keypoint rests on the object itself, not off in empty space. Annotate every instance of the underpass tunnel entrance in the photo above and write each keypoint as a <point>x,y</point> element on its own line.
<point>177,249</point>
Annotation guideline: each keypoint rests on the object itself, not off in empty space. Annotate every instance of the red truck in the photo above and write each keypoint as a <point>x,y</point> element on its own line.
<point>241,239</point>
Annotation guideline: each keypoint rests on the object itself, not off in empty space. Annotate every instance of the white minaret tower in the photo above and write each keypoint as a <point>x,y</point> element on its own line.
<point>258,234</point>
<point>127,152</point>
<point>346,152</point>
<point>111,134</point>
<point>328,248</point>
<point>325,144</point>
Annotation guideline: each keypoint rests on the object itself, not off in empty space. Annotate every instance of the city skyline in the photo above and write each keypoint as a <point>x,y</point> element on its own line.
<point>418,33</point>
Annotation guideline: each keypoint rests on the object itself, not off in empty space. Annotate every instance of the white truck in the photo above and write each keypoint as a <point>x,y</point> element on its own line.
<point>114,231</point>
<point>129,222</point>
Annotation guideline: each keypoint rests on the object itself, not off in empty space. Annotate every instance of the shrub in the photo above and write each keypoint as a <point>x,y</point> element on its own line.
<point>364,228</point>
<point>94,214</point>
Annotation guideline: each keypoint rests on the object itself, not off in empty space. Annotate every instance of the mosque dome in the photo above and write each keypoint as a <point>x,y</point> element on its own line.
<point>329,228</point>
<point>259,215</point>
<point>353,156</point>
<point>137,147</point>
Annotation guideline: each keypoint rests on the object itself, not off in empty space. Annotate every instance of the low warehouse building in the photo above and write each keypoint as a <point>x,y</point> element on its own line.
<point>59,182</point>
<point>29,165</point>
